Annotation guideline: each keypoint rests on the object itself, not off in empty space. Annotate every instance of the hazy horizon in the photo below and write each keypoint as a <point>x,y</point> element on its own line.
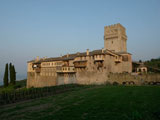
<point>53,28</point>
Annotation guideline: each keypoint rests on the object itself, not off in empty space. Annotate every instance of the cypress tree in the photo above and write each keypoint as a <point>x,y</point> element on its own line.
<point>11,73</point>
<point>14,75</point>
<point>5,79</point>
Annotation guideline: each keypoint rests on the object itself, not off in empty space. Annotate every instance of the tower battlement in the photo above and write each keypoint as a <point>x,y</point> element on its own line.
<point>115,26</point>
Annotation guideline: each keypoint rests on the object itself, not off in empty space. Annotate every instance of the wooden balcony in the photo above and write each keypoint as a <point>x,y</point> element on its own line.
<point>66,70</point>
<point>37,67</point>
<point>80,64</point>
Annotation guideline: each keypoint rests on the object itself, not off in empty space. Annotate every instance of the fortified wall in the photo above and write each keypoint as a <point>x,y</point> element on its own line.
<point>95,78</point>
<point>128,79</point>
<point>36,80</point>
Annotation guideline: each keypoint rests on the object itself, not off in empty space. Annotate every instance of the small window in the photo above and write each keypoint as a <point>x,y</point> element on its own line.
<point>112,42</point>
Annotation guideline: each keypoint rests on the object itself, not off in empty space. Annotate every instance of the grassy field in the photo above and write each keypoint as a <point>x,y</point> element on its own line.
<point>92,103</point>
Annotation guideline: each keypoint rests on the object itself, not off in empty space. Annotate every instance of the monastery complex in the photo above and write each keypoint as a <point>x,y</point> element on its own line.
<point>90,67</point>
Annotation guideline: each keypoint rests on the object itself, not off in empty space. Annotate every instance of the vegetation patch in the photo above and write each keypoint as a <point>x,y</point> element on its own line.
<point>11,95</point>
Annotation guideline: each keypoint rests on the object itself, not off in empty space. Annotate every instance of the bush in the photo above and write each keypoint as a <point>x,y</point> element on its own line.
<point>115,83</point>
<point>17,86</point>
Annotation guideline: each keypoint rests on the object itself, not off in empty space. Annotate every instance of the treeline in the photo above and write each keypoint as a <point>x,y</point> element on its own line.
<point>153,65</point>
<point>9,75</point>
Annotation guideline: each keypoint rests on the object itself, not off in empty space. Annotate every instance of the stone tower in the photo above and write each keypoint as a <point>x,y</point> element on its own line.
<point>115,38</point>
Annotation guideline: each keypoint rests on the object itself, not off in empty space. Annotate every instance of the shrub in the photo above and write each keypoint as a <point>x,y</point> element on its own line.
<point>115,83</point>
<point>17,86</point>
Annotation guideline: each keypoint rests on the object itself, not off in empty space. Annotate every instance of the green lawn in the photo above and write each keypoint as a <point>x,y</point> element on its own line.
<point>92,103</point>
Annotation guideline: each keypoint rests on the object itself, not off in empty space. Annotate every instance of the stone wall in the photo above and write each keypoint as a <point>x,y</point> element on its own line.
<point>90,77</point>
<point>66,79</point>
<point>35,80</point>
<point>123,78</point>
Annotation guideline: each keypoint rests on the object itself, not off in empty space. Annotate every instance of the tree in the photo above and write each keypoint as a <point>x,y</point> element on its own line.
<point>14,75</point>
<point>11,73</point>
<point>5,79</point>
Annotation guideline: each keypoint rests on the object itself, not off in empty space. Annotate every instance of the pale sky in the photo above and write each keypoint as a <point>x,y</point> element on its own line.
<point>30,28</point>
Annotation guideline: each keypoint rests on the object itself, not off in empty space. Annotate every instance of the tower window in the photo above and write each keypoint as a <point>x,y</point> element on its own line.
<point>112,42</point>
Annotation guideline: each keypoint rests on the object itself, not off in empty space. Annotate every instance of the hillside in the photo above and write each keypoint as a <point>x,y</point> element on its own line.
<point>91,103</point>
<point>153,65</point>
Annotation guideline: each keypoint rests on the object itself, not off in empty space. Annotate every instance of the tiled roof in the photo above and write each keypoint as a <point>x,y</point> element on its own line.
<point>30,61</point>
<point>72,56</point>
<point>123,53</point>
<point>52,59</point>
<point>80,61</point>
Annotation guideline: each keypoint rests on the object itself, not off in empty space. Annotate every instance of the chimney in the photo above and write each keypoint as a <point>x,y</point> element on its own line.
<point>103,50</point>
<point>67,55</point>
<point>78,53</point>
<point>87,52</point>
<point>37,58</point>
<point>44,58</point>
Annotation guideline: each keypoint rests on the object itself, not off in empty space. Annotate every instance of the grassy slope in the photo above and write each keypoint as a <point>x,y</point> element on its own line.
<point>95,103</point>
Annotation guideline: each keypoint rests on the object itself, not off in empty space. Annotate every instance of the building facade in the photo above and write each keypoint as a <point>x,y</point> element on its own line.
<point>90,67</point>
